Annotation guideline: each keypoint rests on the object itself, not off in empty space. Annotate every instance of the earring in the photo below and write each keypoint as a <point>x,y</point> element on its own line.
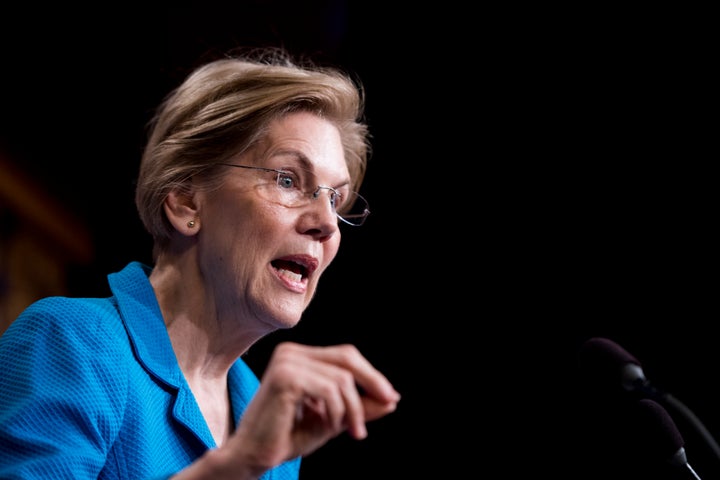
<point>191,224</point>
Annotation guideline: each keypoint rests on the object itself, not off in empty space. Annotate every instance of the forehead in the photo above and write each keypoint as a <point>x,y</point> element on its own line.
<point>309,140</point>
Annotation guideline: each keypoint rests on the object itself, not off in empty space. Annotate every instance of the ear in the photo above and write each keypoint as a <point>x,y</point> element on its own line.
<point>182,212</point>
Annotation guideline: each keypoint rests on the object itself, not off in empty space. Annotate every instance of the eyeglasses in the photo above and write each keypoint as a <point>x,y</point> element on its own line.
<point>289,190</point>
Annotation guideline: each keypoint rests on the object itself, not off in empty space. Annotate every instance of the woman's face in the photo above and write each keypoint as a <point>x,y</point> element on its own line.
<point>262,260</point>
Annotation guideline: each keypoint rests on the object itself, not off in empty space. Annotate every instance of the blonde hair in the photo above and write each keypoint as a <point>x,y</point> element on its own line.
<point>224,106</point>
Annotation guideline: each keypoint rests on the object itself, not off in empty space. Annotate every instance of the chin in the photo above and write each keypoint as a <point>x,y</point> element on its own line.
<point>287,320</point>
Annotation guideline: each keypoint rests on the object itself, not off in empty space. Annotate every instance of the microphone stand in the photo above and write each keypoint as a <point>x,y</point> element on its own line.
<point>694,421</point>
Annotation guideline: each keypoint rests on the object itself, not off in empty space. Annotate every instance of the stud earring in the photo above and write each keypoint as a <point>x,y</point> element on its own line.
<point>191,223</point>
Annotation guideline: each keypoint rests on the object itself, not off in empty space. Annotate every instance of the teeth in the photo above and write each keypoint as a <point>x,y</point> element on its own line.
<point>295,277</point>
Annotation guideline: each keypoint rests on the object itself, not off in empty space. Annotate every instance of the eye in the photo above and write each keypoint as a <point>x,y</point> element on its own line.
<point>336,199</point>
<point>288,180</point>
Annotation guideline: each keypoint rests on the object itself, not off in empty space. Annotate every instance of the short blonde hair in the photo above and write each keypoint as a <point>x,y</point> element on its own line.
<point>224,106</point>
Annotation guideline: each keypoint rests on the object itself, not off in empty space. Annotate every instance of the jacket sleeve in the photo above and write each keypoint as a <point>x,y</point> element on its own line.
<point>61,394</point>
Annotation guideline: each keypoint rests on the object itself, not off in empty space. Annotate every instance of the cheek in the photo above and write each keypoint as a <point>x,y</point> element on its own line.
<point>250,215</point>
<point>267,218</point>
<point>241,222</point>
<point>259,228</point>
<point>331,248</point>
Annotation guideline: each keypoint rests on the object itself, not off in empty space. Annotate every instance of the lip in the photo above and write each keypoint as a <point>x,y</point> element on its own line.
<point>295,270</point>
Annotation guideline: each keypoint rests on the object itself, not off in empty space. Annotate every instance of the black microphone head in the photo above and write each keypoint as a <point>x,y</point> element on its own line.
<point>608,364</point>
<point>659,432</point>
<point>607,351</point>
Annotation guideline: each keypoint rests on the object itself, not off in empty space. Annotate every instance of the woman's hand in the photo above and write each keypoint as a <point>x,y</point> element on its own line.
<point>307,396</point>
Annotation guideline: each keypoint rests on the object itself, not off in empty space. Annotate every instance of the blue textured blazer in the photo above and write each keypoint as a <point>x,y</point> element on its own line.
<point>90,389</point>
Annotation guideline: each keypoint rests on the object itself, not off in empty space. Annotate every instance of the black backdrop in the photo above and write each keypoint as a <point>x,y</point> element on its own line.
<point>539,177</point>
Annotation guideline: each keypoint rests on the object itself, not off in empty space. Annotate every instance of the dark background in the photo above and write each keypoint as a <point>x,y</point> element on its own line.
<point>539,177</point>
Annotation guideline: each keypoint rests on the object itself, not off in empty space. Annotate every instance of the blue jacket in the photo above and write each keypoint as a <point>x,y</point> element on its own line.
<point>90,389</point>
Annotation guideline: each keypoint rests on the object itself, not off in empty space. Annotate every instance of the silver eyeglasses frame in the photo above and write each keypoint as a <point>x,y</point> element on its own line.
<point>355,220</point>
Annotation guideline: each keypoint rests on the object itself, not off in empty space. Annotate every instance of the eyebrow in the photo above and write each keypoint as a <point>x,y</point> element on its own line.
<point>301,158</point>
<point>306,164</point>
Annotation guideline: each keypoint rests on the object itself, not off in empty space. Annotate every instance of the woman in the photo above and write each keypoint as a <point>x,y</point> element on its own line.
<point>247,179</point>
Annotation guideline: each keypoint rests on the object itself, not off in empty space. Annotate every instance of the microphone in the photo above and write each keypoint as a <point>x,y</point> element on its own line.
<point>663,434</point>
<point>605,359</point>
<point>614,366</point>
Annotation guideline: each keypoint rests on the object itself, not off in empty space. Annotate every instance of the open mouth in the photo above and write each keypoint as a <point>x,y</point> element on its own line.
<point>292,270</point>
